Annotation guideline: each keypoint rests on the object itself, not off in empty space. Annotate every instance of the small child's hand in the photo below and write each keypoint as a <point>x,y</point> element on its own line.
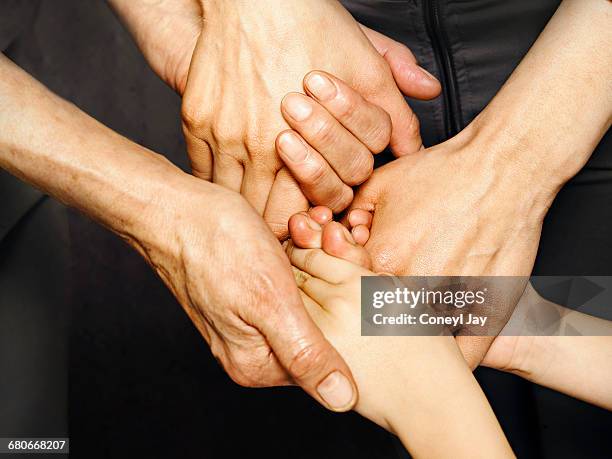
<point>328,266</point>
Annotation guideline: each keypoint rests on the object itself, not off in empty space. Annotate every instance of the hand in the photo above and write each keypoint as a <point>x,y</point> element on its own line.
<point>239,75</point>
<point>232,278</point>
<point>231,108</point>
<point>460,208</point>
<point>456,209</point>
<point>409,385</point>
<point>216,255</point>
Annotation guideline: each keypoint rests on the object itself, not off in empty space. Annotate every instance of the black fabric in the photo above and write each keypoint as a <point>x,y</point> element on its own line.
<point>16,197</point>
<point>34,320</point>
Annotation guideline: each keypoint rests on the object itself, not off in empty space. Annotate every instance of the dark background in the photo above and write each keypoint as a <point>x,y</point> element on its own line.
<point>142,382</point>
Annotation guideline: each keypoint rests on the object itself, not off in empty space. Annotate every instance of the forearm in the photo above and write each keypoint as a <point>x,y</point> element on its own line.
<point>579,366</point>
<point>438,412</point>
<point>165,31</point>
<point>557,105</point>
<point>561,362</point>
<point>51,144</point>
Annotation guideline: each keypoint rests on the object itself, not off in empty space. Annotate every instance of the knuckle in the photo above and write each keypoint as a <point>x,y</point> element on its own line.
<point>341,200</point>
<point>380,77</point>
<point>316,174</point>
<point>222,129</point>
<point>347,106</point>
<point>195,116</point>
<point>379,137</point>
<point>324,132</point>
<point>361,168</point>
<point>306,362</point>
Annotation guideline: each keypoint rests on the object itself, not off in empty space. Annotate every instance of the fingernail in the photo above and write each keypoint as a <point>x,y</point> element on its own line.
<point>427,75</point>
<point>336,391</point>
<point>293,148</point>
<point>298,108</point>
<point>321,87</point>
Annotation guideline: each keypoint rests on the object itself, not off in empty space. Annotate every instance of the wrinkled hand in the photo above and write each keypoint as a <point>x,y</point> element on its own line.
<point>248,56</point>
<point>233,279</point>
<point>458,209</point>
<point>462,208</point>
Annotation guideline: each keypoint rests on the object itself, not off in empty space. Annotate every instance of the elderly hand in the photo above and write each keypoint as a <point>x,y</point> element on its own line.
<point>247,57</point>
<point>208,245</point>
<point>233,279</point>
<point>462,208</point>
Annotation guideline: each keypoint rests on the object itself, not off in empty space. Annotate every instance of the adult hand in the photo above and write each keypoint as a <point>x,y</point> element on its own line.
<point>234,281</point>
<point>210,247</point>
<point>248,56</point>
<point>462,208</point>
<point>458,209</point>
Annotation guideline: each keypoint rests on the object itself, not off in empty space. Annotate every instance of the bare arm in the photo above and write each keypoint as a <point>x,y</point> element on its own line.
<point>187,231</point>
<point>579,366</point>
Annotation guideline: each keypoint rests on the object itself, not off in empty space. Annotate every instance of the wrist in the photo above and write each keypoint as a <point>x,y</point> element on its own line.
<point>515,165</point>
<point>165,198</point>
<point>276,14</point>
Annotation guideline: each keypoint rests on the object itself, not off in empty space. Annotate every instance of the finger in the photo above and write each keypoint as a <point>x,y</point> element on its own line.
<point>348,157</point>
<point>361,234</point>
<point>413,80</point>
<point>316,289</point>
<point>200,156</point>
<point>228,172</point>
<point>370,124</point>
<point>406,134</point>
<point>474,348</point>
<point>366,199</point>
<point>286,199</point>
<point>319,182</point>
<point>359,217</point>
<point>256,186</point>
<point>338,242</point>
<point>314,309</point>
<point>321,214</point>
<point>321,265</point>
<point>307,356</point>
<point>305,232</point>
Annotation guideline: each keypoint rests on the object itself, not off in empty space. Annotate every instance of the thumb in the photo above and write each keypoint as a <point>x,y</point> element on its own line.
<point>413,80</point>
<point>308,357</point>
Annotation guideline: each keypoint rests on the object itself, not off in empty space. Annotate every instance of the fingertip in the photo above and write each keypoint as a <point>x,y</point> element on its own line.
<point>415,81</point>
<point>339,233</point>
<point>430,86</point>
<point>357,217</point>
<point>305,232</point>
<point>321,214</point>
<point>320,85</point>
<point>361,234</point>
<point>291,147</point>
<point>338,392</point>
<point>337,241</point>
